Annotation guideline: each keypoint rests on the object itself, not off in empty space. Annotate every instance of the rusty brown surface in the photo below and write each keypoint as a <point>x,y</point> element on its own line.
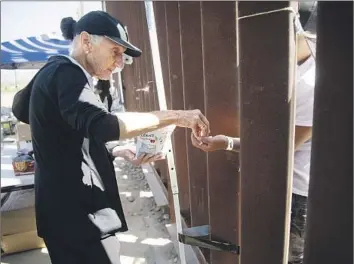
<point>192,59</point>
<point>267,105</point>
<point>177,103</point>
<point>137,78</point>
<point>161,28</point>
<point>329,237</point>
<point>220,88</point>
<point>197,43</point>
<point>198,74</point>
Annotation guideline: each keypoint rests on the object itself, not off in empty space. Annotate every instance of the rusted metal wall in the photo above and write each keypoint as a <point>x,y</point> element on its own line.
<point>267,70</point>
<point>197,42</point>
<point>329,236</point>
<point>138,79</point>
<point>190,34</point>
<point>198,51</point>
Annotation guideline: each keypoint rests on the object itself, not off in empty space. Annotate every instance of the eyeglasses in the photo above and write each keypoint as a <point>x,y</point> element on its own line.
<point>118,58</point>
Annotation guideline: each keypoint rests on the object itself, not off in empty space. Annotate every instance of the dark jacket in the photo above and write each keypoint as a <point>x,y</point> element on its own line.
<point>76,189</point>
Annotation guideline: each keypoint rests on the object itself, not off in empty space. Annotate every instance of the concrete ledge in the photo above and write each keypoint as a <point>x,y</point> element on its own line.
<point>193,254</point>
<point>156,186</point>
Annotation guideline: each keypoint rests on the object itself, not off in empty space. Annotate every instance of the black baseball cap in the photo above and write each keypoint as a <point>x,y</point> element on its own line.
<point>308,16</point>
<point>102,24</point>
<point>308,23</point>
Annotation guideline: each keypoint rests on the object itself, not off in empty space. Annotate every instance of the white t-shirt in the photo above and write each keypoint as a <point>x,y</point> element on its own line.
<point>304,90</point>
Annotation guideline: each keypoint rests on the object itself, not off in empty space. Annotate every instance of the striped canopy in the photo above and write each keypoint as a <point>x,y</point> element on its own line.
<point>31,52</point>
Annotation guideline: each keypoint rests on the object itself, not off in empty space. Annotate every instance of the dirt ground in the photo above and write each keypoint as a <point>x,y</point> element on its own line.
<point>147,240</point>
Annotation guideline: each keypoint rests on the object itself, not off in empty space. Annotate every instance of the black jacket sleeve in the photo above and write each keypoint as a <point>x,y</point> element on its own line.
<point>81,108</point>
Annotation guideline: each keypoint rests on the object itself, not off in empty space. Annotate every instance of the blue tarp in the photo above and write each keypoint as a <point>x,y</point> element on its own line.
<point>31,52</point>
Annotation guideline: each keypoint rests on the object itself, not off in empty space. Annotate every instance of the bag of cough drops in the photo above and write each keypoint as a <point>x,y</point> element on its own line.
<point>153,142</point>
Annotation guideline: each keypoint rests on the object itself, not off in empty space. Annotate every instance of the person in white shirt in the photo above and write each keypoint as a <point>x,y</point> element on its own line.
<point>305,83</point>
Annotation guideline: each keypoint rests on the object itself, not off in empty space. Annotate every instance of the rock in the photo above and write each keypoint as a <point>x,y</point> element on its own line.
<point>131,199</point>
<point>146,187</point>
<point>166,217</point>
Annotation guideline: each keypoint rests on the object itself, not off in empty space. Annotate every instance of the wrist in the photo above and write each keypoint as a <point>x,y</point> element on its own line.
<point>169,117</point>
<point>178,120</point>
<point>229,143</point>
<point>117,152</point>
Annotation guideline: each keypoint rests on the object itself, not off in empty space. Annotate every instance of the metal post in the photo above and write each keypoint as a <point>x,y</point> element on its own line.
<point>194,98</point>
<point>177,102</point>
<point>81,8</point>
<point>329,237</point>
<point>220,84</point>
<point>266,79</point>
<point>163,106</point>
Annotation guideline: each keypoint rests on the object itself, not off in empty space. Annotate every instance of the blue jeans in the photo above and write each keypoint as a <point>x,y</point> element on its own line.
<point>297,229</point>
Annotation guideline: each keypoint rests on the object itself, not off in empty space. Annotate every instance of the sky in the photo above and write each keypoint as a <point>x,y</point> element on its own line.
<point>30,18</point>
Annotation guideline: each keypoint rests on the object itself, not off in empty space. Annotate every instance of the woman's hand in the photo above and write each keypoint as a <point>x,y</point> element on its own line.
<point>129,154</point>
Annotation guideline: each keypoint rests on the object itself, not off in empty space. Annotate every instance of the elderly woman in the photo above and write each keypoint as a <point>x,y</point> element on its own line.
<point>78,209</point>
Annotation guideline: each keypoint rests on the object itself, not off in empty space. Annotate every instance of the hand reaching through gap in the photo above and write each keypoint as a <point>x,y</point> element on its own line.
<point>207,144</point>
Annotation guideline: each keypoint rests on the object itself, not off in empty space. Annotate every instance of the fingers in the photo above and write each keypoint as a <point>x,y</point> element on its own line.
<point>196,131</point>
<point>206,140</point>
<point>203,125</point>
<point>200,126</point>
<point>125,153</point>
<point>147,158</point>
<point>195,120</point>
<point>195,141</point>
<point>199,144</point>
<point>206,127</point>
<point>131,148</point>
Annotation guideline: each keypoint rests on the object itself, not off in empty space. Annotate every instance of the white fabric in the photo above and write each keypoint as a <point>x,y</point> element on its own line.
<point>305,84</point>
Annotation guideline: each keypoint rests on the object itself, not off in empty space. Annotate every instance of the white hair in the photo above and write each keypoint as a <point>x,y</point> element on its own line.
<point>95,39</point>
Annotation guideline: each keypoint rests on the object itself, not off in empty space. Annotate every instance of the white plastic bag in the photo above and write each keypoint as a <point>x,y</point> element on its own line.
<point>153,142</point>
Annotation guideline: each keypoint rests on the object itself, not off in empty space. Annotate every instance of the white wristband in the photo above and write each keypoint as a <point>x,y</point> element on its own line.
<point>230,144</point>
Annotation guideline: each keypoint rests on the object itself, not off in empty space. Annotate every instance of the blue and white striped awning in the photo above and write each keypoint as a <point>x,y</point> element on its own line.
<point>31,52</point>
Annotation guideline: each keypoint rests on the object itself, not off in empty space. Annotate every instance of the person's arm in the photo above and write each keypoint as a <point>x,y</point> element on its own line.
<point>134,124</point>
<point>304,102</point>
<point>222,142</point>
<point>302,134</point>
<point>80,107</point>
<point>83,111</point>
<point>219,142</point>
